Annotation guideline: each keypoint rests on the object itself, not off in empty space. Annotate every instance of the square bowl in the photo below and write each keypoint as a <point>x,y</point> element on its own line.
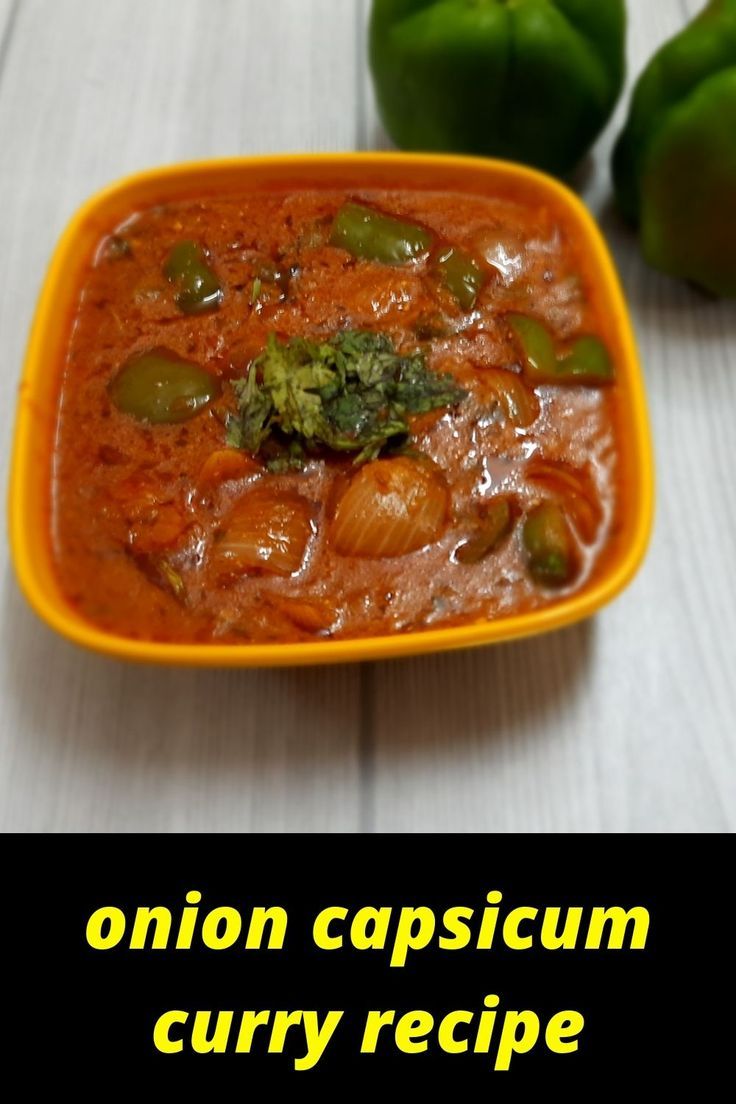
<point>32,467</point>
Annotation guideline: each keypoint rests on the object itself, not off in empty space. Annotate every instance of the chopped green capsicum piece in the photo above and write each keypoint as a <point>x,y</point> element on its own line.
<point>550,546</point>
<point>461,275</point>
<point>587,362</point>
<point>160,387</point>
<point>377,237</point>
<point>540,358</point>
<point>198,289</point>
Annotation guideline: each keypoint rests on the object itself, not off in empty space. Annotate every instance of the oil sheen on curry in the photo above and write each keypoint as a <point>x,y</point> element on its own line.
<point>290,417</point>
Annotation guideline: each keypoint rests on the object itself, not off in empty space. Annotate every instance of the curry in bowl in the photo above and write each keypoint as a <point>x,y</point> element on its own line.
<point>310,414</point>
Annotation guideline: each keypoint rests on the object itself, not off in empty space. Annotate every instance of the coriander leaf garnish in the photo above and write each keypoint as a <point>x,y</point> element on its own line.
<point>351,392</point>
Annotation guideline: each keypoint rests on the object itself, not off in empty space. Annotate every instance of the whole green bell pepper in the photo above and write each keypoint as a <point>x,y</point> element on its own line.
<point>527,80</point>
<point>675,163</point>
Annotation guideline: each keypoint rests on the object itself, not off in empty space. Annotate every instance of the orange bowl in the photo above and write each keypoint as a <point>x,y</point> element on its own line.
<point>31,475</point>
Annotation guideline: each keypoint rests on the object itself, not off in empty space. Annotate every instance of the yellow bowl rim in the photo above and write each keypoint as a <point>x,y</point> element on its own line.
<point>53,609</point>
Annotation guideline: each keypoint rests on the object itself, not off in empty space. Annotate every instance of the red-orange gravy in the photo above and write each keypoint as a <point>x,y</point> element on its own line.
<point>129,495</point>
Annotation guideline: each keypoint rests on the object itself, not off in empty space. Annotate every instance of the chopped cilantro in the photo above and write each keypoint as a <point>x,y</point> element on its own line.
<point>351,393</point>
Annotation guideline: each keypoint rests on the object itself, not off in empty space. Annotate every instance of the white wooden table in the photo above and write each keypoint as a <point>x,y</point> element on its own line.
<point>625,723</point>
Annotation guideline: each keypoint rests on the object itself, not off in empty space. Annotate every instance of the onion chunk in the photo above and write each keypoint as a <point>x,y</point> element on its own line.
<point>390,508</point>
<point>269,530</point>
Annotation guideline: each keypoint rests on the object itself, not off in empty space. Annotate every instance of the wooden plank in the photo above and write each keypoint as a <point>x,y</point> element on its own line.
<point>89,92</point>
<point>625,723</point>
<point>6,10</point>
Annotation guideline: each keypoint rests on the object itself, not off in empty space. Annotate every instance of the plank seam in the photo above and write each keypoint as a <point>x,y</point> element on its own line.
<point>7,36</point>
<point>361,104</point>
<point>367,749</point>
